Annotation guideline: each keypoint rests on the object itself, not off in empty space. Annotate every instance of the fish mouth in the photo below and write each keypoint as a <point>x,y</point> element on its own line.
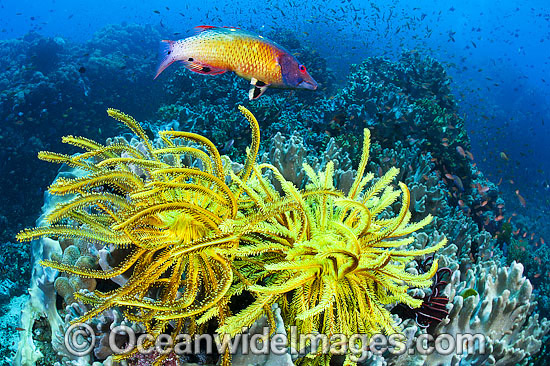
<point>308,84</point>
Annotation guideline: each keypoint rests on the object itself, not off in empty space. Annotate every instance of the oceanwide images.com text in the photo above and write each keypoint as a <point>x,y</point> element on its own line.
<point>80,340</point>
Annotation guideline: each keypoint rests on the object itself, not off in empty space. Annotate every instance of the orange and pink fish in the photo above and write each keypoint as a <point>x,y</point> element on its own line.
<point>215,50</point>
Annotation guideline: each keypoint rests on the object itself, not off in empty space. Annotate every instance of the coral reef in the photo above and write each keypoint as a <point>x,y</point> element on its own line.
<point>123,207</point>
<point>500,309</point>
<point>51,84</point>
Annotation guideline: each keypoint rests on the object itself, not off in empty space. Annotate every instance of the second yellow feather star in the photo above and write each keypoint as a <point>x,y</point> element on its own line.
<point>330,260</point>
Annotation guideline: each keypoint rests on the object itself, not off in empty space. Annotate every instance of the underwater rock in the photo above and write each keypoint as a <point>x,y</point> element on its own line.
<point>9,322</point>
<point>7,287</point>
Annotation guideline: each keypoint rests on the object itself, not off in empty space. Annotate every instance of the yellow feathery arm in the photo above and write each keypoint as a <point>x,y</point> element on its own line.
<point>388,197</point>
<point>415,252</point>
<point>347,204</point>
<point>408,229</point>
<point>362,165</point>
<point>327,298</point>
<point>185,173</point>
<point>199,213</point>
<point>396,222</point>
<point>250,192</point>
<point>198,245</point>
<point>293,265</point>
<point>269,192</point>
<point>65,159</point>
<point>254,146</point>
<point>82,142</point>
<point>191,282</point>
<point>99,274</point>
<point>289,188</point>
<point>126,180</point>
<point>285,286</point>
<point>108,152</point>
<point>71,232</point>
<point>145,163</point>
<point>179,308</point>
<point>216,158</point>
<point>135,127</point>
<point>395,243</point>
<point>311,174</point>
<point>320,192</point>
<point>384,181</point>
<point>100,222</point>
<point>166,186</point>
<point>246,317</point>
<point>191,151</point>
<point>63,210</point>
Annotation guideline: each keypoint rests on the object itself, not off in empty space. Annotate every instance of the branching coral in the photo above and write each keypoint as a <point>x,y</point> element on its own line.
<point>197,234</point>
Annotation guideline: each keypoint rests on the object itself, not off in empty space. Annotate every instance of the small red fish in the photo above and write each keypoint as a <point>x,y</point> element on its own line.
<point>215,50</point>
<point>520,198</point>
<point>482,189</point>
<point>461,151</point>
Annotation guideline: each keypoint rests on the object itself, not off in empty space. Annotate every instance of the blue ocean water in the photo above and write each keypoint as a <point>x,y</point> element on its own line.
<point>63,62</point>
<point>496,52</point>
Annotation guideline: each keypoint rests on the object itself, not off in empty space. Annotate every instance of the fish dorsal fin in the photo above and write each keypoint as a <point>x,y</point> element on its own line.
<point>201,28</point>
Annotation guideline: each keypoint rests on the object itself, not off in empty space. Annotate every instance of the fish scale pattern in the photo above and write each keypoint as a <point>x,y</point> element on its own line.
<point>242,53</point>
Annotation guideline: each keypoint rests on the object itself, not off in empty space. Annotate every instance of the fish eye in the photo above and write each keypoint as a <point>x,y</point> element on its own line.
<point>302,68</point>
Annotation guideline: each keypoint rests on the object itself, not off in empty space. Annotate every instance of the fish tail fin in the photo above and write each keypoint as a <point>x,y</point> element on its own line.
<point>166,56</point>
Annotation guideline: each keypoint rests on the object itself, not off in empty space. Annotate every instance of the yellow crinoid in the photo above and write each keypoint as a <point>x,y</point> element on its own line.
<point>164,213</point>
<point>331,261</point>
<point>195,234</point>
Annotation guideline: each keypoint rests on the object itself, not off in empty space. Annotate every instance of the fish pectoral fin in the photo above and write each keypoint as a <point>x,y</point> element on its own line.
<point>202,68</point>
<point>257,90</point>
<point>258,83</point>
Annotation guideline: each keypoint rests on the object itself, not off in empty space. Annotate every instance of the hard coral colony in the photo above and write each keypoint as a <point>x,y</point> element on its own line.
<point>197,234</point>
